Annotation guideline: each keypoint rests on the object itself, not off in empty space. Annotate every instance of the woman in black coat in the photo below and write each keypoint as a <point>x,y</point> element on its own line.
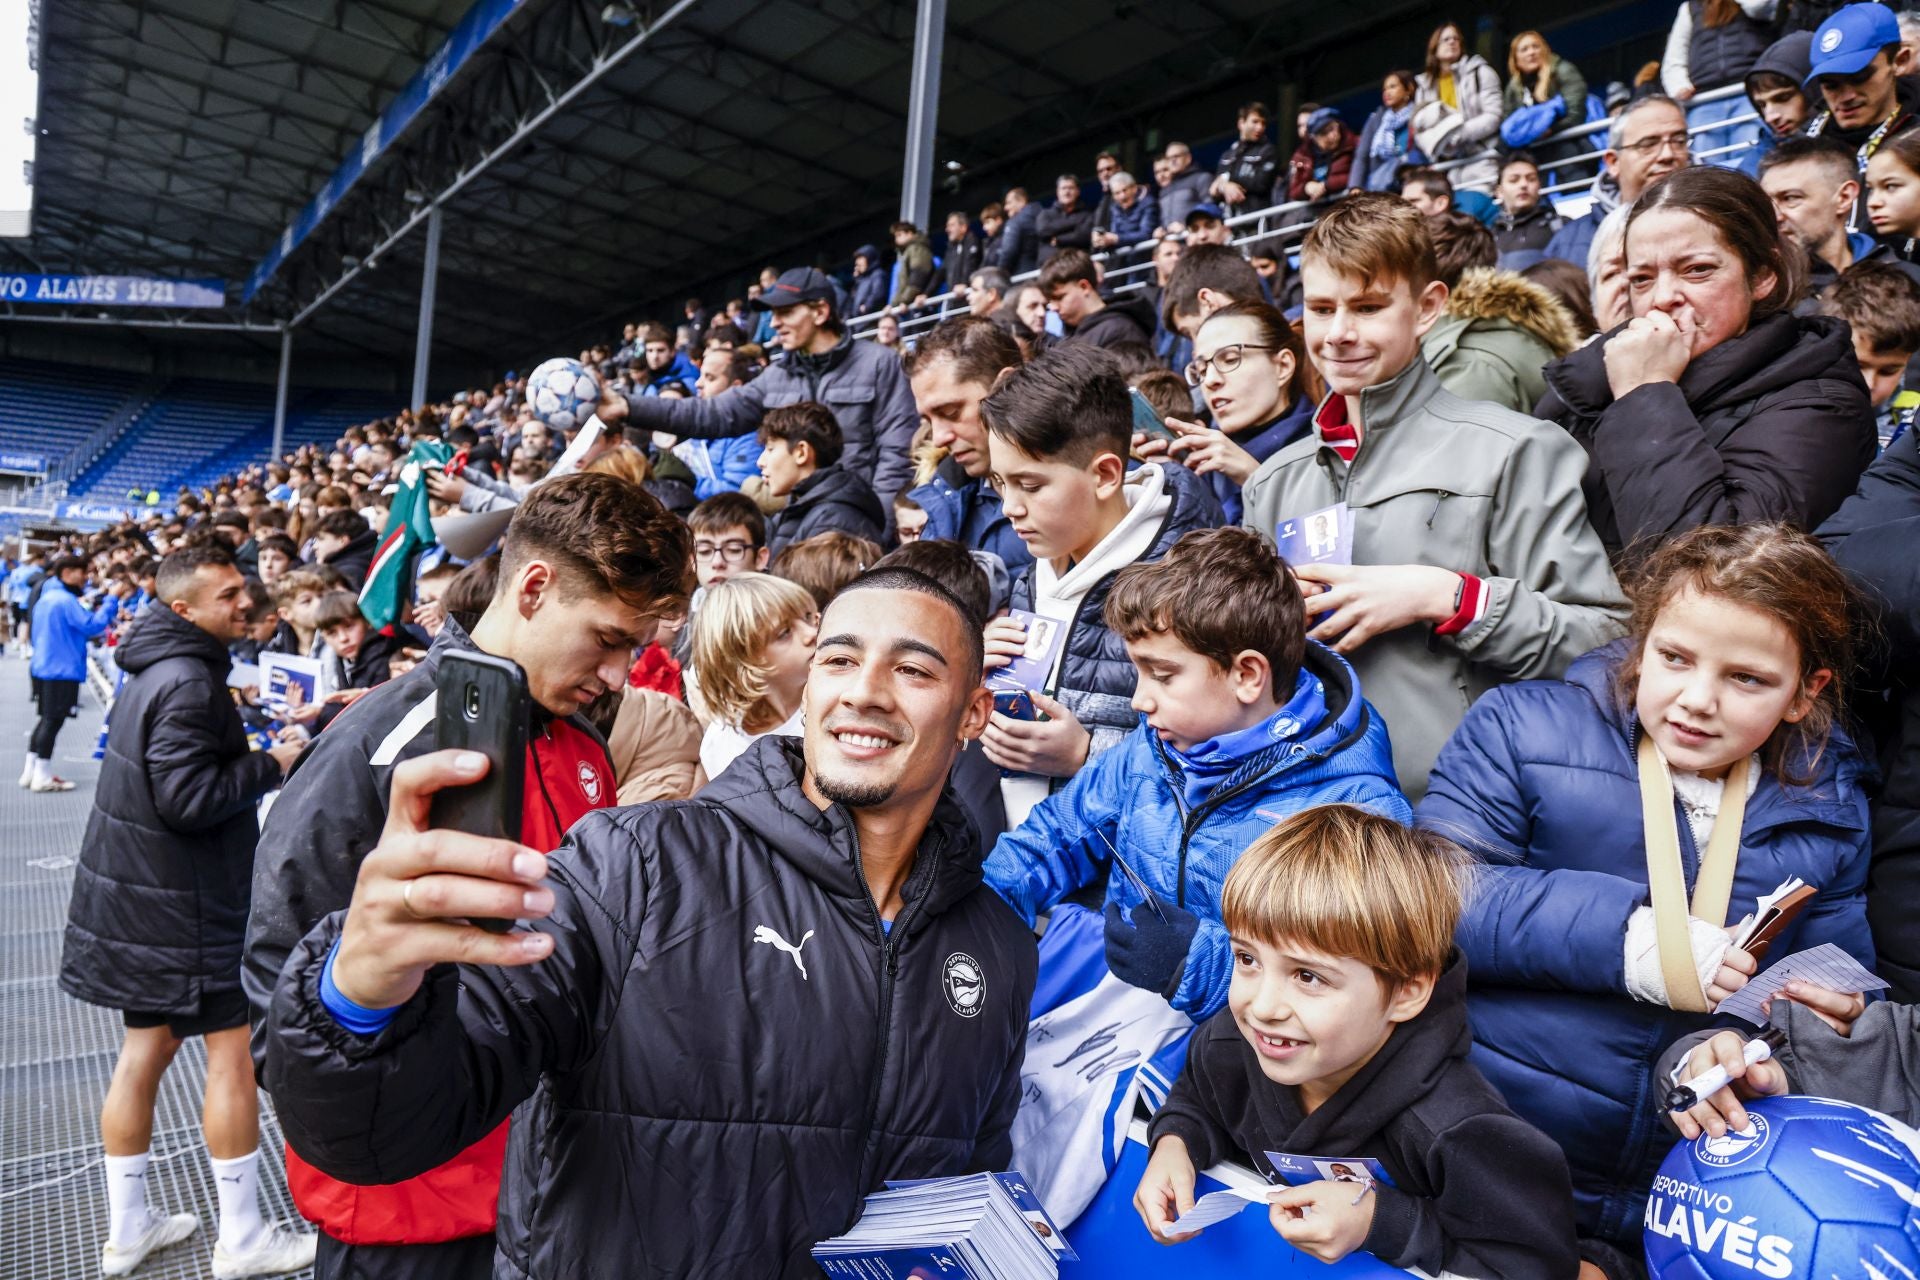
<point>1714,404</point>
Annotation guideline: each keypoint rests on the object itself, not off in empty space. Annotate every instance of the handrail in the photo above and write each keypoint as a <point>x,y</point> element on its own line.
<point>944,306</point>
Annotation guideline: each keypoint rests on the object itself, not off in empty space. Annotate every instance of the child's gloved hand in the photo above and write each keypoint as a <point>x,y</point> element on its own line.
<point>1150,952</point>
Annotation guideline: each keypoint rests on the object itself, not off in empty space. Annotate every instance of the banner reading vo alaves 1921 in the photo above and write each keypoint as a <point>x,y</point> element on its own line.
<point>115,291</point>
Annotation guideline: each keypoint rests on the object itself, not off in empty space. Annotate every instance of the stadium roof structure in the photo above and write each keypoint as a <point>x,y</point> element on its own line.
<point>589,158</point>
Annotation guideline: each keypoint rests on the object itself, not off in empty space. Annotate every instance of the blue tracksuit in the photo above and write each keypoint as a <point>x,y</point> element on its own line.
<point>61,628</point>
<point>1133,795</point>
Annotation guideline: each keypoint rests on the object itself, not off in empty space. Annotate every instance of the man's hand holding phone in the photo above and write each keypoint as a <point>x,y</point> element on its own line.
<point>418,888</point>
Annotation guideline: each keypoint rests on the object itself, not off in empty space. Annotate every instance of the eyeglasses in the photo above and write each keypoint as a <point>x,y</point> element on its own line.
<point>1226,360</point>
<point>731,549</point>
<point>1654,146</point>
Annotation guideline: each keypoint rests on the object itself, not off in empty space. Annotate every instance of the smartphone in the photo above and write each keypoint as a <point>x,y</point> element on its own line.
<point>1147,419</point>
<point>1014,703</point>
<point>483,705</point>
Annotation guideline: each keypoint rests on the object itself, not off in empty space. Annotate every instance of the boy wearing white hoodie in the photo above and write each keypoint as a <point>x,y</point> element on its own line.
<point>1061,428</point>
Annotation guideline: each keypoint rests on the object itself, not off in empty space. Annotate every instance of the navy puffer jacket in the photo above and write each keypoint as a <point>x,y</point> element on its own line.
<point>1096,676</point>
<point>1540,782</point>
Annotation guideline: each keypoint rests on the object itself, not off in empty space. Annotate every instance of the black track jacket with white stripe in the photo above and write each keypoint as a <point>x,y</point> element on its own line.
<point>724,1053</point>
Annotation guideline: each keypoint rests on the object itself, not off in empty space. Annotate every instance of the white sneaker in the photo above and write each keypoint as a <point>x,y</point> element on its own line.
<point>276,1251</point>
<point>161,1232</point>
<point>51,784</point>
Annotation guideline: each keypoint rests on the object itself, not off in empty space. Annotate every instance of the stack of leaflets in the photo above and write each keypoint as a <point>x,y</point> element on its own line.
<point>985,1226</point>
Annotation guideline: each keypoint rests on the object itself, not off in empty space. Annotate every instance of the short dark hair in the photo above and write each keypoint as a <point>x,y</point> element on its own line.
<point>808,422</point>
<point>1881,303</point>
<point>344,523</point>
<point>607,533</point>
<point>280,542</point>
<point>337,608</point>
<point>174,579</point>
<point>978,348</point>
<point>724,511</point>
<point>230,520</point>
<point>952,566</point>
<point>1213,267</point>
<point>1219,592</point>
<point>66,564</point>
<point>900,578</point>
<point>1070,404</point>
<point>1065,267</point>
<point>1253,109</point>
<point>1835,157</point>
<point>1431,181</point>
<point>1460,241</point>
<point>1517,157</point>
<point>903,225</point>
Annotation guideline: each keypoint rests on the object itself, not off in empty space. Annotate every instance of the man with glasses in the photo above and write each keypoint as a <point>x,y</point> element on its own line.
<point>1860,71</point>
<point>729,537</point>
<point>1646,142</point>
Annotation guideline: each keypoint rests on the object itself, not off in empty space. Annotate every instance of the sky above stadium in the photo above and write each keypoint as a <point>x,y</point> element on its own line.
<point>19,96</point>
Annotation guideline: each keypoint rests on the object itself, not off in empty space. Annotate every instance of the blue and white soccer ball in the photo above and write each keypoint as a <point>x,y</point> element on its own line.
<point>1812,1188</point>
<point>563,394</point>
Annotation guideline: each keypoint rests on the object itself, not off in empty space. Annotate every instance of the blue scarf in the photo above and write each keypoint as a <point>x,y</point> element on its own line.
<point>1213,761</point>
<point>1390,139</point>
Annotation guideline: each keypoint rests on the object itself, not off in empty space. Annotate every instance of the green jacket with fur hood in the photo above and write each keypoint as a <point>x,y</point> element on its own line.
<point>1498,333</point>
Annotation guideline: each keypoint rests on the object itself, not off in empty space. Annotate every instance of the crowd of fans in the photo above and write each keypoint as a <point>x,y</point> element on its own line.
<point>1569,513</point>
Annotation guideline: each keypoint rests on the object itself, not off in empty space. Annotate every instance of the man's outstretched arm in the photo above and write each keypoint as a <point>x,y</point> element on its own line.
<point>442,1054</point>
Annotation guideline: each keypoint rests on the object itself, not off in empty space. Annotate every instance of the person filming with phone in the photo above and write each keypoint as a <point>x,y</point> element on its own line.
<point>794,987</point>
<point>589,561</point>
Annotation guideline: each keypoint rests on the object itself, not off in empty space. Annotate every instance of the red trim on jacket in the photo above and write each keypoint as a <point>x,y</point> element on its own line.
<point>568,776</point>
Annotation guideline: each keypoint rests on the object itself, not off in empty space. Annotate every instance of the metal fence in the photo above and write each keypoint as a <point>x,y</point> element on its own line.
<point>1281,225</point>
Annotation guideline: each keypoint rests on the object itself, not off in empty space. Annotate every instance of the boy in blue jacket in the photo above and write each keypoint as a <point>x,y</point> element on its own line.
<point>1244,723</point>
<point>61,628</point>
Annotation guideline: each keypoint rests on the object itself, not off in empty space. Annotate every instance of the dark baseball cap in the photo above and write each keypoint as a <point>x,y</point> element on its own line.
<point>1205,211</point>
<point>802,284</point>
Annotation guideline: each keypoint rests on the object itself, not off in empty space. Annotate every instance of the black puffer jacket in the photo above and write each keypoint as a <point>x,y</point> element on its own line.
<point>678,1053</point>
<point>160,900</point>
<point>830,500</point>
<point>1874,536</point>
<point>1096,676</point>
<point>1771,425</point>
<point>1127,319</point>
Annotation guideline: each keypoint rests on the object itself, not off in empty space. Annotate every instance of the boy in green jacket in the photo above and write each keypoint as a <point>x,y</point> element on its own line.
<point>1465,557</point>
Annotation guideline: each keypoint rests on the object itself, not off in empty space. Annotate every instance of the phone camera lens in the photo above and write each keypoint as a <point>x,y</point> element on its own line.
<point>473,702</point>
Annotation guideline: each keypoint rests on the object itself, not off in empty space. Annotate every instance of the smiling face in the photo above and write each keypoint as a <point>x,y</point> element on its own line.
<point>1716,679</point>
<point>1361,333</point>
<point>1256,390</point>
<point>1677,262</point>
<point>1252,127</point>
<point>1893,196</point>
<point>795,327</point>
<point>216,602</point>
<point>1394,93</point>
<point>951,409</point>
<point>893,692</point>
<point>1313,1020</point>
